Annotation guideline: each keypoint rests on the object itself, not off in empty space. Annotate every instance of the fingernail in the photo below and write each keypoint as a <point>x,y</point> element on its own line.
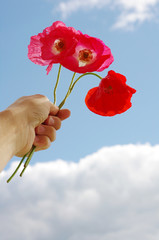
<point>41,129</point>
<point>51,121</point>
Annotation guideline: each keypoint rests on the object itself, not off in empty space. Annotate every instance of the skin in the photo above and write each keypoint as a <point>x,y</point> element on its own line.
<point>31,120</point>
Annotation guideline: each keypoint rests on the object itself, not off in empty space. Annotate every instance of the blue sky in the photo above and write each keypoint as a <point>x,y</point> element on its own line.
<point>131,29</point>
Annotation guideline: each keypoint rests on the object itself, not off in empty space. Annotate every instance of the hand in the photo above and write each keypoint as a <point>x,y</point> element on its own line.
<point>36,120</point>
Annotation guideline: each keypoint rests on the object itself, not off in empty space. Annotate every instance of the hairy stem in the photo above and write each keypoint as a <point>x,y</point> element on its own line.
<point>9,179</point>
<point>68,92</point>
<point>28,159</point>
<point>71,87</point>
<point>57,82</point>
<point>94,74</point>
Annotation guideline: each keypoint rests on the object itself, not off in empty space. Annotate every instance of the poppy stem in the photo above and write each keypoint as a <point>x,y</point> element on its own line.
<point>9,179</point>
<point>57,82</point>
<point>71,86</point>
<point>89,73</point>
<point>28,159</point>
<point>68,92</point>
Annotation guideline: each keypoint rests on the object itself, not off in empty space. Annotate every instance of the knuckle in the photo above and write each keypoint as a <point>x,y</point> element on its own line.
<point>52,134</point>
<point>47,143</point>
<point>40,96</point>
<point>57,123</point>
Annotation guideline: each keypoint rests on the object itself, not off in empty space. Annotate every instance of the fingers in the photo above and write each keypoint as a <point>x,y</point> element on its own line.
<point>46,132</point>
<point>53,109</point>
<point>44,136</point>
<point>41,142</point>
<point>53,121</point>
<point>63,114</point>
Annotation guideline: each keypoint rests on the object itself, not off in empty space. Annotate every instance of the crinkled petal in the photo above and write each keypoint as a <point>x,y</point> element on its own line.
<point>101,55</point>
<point>43,48</point>
<point>77,52</point>
<point>48,69</point>
<point>113,96</point>
<point>34,51</point>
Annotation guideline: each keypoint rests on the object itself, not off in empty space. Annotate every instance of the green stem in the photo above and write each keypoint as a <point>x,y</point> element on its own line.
<point>73,84</point>
<point>68,92</point>
<point>29,156</point>
<point>33,147</point>
<point>89,73</point>
<point>57,82</point>
<point>28,159</point>
<point>9,179</point>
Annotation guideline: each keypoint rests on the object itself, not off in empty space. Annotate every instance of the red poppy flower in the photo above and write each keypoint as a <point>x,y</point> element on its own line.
<point>91,54</point>
<point>52,45</point>
<point>113,96</point>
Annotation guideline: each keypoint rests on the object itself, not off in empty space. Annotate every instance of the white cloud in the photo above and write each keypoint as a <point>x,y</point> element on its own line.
<point>112,194</point>
<point>130,11</point>
<point>135,11</point>
<point>67,7</point>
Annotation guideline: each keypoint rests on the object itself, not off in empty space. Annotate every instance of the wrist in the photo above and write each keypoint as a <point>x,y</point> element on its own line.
<point>23,129</point>
<point>9,127</point>
<point>8,139</point>
<point>19,123</point>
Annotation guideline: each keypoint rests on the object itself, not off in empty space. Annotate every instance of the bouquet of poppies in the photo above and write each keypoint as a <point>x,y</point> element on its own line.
<point>80,53</point>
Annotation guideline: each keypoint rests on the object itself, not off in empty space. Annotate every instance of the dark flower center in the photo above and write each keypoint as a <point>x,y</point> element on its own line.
<point>58,45</point>
<point>108,89</point>
<point>85,55</point>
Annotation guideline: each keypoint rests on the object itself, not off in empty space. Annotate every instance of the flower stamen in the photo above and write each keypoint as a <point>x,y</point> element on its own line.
<point>58,46</point>
<point>85,57</point>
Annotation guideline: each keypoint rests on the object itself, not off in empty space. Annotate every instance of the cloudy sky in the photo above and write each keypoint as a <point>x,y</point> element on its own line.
<point>111,194</point>
<point>99,179</point>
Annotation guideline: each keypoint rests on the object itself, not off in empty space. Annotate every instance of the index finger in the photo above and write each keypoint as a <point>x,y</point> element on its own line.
<point>63,114</point>
<point>53,109</point>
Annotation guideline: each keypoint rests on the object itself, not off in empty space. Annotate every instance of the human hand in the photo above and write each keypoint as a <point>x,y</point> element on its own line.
<point>36,120</point>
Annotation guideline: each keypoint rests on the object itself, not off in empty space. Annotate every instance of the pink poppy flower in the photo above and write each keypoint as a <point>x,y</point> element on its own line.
<point>113,96</point>
<point>52,45</point>
<point>90,55</point>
